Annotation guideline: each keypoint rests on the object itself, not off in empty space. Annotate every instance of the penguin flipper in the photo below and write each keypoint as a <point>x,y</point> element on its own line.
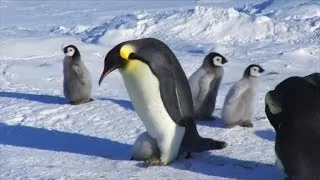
<point>174,89</point>
<point>172,100</point>
<point>204,88</point>
<point>79,73</point>
<point>236,91</point>
<point>174,86</point>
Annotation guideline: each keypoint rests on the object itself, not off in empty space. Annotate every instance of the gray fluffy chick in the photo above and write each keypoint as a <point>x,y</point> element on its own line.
<point>77,83</point>
<point>204,84</point>
<point>238,104</point>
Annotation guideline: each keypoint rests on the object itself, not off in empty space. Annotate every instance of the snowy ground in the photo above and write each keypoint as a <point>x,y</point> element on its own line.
<point>42,137</point>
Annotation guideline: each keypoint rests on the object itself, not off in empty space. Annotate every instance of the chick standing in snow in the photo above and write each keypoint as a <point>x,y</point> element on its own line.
<point>77,83</point>
<point>238,105</point>
<point>204,84</point>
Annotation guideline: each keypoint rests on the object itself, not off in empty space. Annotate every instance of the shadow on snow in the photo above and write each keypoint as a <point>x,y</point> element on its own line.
<point>226,167</point>
<point>47,99</point>
<point>266,134</point>
<point>123,103</point>
<point>53,140</point>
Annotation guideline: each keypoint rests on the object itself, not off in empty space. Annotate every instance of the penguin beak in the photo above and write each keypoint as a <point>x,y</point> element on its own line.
<point>261,70</point>
<point>105,72</point>
<point>224,61</point>
<point>112,62</point>
<point>64,50</point>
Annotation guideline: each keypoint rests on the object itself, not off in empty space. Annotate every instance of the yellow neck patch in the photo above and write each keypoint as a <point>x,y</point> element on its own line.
<point>131,66</point>
<point>273,106</point>
<point>126,50</point>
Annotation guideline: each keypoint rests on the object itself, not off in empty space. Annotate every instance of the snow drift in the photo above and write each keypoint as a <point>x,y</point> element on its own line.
<point>207,24</point>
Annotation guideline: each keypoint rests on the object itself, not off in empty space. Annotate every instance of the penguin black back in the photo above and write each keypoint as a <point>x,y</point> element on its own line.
<point>162,65</point>
<point>174,87</point>
<point>170,66</point>
<point>293,109</point>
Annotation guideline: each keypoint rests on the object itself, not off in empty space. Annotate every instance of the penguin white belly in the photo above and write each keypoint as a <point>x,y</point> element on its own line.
<point>144,91</point>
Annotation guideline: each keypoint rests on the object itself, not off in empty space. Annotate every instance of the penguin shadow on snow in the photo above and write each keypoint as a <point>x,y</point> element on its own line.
<point>266,134</point>
<point>53,140</point>
<point>226,167</point>
<point>47,99</point>
<point>123,103</point>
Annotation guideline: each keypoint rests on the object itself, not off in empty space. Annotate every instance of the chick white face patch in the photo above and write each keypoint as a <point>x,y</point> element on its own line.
<point>217,61</point>
<point>254,71</point>
<point>70,52</point>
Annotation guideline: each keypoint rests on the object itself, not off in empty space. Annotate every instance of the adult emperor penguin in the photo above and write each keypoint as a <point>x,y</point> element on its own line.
<point>293,109</point>
<point>77,82</point>
<point>161,96</point>
<point>204,84</point>
<point>238,104</point>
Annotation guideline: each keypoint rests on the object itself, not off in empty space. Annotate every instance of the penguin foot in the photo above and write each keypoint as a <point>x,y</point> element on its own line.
<point>246,124</point>
<point>76,102</point>
<point>73,103</point>
<point>80,102</point>
<point>153,162</point>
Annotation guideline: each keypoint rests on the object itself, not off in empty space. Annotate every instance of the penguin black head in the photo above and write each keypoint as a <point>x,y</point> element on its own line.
<point>253,70</point>
<point>293,110</point>
<point>146,50</point>
<point>119,56</point>
<point>71,51</point>
<point>214,60</point>
<point>288,96</point>
<point>277,101</point>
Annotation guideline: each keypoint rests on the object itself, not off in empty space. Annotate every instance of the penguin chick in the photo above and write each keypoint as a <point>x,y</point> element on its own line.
<point>204,84</point>
<point>238,104</point>
<point>293,109</point>
<point>160,94</point>
<point>144,148</point>
<point>77,83</point>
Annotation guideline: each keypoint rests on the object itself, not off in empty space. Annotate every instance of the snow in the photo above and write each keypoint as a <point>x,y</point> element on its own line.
<point>42,137</point>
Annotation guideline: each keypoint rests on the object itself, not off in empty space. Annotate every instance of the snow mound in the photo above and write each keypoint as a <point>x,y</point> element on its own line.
<point>77,30</point>
<point>207,24</point>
